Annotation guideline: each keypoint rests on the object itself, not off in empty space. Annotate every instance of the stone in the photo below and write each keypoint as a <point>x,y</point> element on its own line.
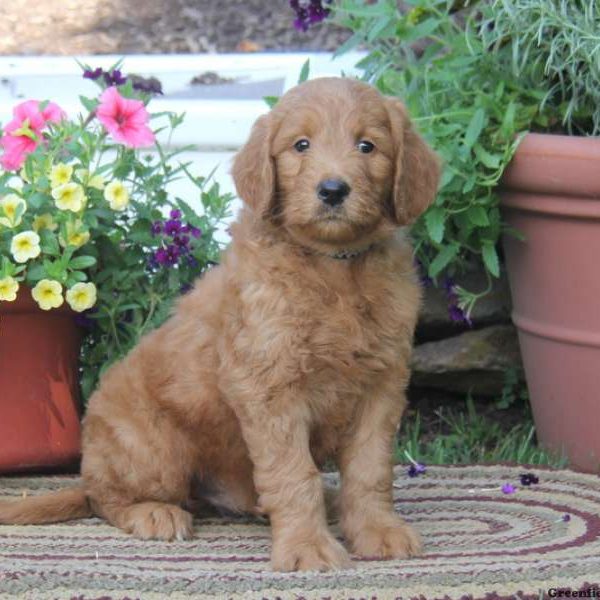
<point>494,308</point>
<point>473,361</point>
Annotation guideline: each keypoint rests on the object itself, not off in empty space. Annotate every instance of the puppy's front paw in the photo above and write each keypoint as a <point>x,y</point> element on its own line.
<point>318,552</point>
<point>387,538</point>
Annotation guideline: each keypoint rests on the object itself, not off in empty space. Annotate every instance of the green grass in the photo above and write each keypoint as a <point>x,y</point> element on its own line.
<point>466,436</point>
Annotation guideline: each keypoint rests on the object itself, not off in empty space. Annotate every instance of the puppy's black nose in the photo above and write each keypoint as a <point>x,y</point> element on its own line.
<point>332,191</point>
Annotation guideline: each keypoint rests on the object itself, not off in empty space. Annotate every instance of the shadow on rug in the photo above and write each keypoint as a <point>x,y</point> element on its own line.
<point>479,543</point>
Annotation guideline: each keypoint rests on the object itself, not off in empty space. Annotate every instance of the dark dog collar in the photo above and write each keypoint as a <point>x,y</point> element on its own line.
<point>348,254</point>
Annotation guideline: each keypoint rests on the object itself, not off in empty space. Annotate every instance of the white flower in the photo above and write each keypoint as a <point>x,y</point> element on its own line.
<point>60,174</point>
<point>12,208</point>
<point>116,195</point>
<point>25,245</point>
<point>81,296</point>
<point>8,289</point>
<point>69,196</point>
<point>48,294</point>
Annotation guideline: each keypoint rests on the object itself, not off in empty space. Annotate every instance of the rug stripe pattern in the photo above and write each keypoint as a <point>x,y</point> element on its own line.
<point>479,543</point>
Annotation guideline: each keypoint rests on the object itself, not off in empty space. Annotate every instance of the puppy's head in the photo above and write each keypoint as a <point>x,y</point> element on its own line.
<point>337,165</point>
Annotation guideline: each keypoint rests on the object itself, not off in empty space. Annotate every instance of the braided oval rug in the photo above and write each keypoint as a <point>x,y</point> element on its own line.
<point>479,543</point>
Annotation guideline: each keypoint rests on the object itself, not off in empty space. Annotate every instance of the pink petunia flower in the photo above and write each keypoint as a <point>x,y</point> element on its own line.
<point>27,117</point>
<point>126,120</point>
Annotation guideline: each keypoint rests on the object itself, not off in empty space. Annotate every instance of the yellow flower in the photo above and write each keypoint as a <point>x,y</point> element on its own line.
<point>60,174</point>
<point>117,195</point>
<point>8,289</point>
<point>81,296</point>
<point>48,294</point>
<point>76,235</point>
<point>95,181</point>
<point>44,221</point>
<point>12,207</point>
<point>69,196</point>
<point>25,245</point>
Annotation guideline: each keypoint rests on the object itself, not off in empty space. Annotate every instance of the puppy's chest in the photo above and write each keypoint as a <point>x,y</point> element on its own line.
<point>351,337</point>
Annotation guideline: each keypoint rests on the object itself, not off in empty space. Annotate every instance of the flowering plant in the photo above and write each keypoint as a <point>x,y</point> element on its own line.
<point>86,219</point>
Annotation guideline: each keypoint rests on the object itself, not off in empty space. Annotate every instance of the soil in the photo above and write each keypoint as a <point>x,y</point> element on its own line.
<point>75,27</point>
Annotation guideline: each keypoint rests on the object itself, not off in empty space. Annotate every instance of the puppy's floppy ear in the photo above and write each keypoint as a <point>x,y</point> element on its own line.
<point>417,167</point>
<point>254,169</point>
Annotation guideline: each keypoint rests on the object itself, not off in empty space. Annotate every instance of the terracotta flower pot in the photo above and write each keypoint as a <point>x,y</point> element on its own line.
<point>39,401</point>
<point>551,194</point>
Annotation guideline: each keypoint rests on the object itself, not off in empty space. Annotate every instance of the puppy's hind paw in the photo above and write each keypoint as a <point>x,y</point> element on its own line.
<point>159,521</point>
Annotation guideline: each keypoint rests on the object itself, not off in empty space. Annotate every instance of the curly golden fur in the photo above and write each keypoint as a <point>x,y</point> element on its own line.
<point>283,355</point>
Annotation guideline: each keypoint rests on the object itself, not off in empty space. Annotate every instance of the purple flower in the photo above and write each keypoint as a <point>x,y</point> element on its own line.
<point>93,75</point>
<point>195,231</point>
<point>114,78</point>
<point>156,228</point>
<point>455,312</point>
<point>416,469</point>
<point>182,241</point>
<point>166,257</point>
<point>309,12</point>
<point>82,319</point>
<point>528,479</point>
<point>172,227</point>
<point>175,213</point>
<point>566,518</point>
<point>508,488</point>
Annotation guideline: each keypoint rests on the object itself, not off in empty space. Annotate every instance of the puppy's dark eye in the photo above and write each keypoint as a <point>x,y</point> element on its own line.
<point>302,145</point>
<point>365,147</point>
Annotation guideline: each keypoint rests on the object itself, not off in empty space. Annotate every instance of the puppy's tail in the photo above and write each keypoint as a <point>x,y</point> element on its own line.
<point>63,505</point>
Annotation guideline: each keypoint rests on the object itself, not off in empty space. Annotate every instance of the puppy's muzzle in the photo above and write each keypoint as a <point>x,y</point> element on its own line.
<point>332,191</point>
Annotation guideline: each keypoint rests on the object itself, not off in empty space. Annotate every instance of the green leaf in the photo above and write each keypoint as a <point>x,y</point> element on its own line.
<point>422,30</point>
<point>49,243</point>
<point>478,216</point>
<point>508,122</point>
<point>474,129</point>
<point>304,72</point>
<point>89,104</point>
<point>75,277</point>
<point>491,161</point>
<point>442,260</point>
<point>82,262</point>
<point>36,200</point>
<point>354,40</point>
<point>490,258</point>
<point>378,9</point>
<point>435,222</point>
<point>35,273</point>
<point>271,101</point>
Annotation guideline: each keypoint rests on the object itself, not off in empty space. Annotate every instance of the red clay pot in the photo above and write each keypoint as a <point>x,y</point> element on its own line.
<point>39,394</point>
<point>551,194</point>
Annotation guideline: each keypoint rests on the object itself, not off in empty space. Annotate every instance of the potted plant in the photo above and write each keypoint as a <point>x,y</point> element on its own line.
<point>93,250</point>
<point>477,77</point>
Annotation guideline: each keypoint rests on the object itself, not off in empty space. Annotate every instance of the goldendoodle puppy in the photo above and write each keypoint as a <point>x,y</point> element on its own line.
<point>295,349</point>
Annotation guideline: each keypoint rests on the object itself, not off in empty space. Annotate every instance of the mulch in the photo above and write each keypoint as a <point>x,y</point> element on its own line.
<point>75,27</point>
